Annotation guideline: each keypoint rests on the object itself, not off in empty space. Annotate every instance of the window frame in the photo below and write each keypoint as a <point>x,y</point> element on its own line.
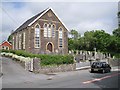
<point>53,29</point>
<point>37,38</point>
<point>20,41</point>
<point>45,28</point>
<point>24,35</point>
<point>60,38</point>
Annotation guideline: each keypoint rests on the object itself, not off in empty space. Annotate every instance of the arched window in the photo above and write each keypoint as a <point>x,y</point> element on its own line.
<point>60,37</point>
<point>13,43</point>
<point>19,41</point>
<point>49,30</point>
<point>53,30</point>
<point>37,36</point>
<point>23,40</point>
<point>16,45</point>
<point>45,30</point>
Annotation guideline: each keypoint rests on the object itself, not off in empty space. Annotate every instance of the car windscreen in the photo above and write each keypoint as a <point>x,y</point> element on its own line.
<point>98,65</point>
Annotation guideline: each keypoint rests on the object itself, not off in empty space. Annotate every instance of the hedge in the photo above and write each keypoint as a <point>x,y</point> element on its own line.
<point>45,59</point>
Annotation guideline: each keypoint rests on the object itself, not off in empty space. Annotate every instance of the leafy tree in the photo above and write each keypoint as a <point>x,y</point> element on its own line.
<point>10,38</point>
<point>74,34</point>
<point>102,40</point>
<point>116,32</point>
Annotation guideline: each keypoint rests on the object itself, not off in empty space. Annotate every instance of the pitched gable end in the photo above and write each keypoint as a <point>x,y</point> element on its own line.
<point>45,13</point>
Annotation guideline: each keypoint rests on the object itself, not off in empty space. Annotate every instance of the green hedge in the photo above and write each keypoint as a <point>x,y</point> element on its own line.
<point>45,59</point>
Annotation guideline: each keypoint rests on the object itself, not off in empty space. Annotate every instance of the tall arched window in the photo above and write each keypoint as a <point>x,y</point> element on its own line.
<point>13,43</point>
<point>53,30</point>
<point>45,30</point>
<point>23,40</point>
<point>37,36</point>
<point>60,37</point>
<point>16,42</point>
<point>49,30</point>
<point>19,41</point>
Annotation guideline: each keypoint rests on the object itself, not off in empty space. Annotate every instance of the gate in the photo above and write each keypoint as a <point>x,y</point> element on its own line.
<point>29,65</point>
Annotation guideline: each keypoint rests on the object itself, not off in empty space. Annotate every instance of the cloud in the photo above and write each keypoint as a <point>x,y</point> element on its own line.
<point>81,16</point>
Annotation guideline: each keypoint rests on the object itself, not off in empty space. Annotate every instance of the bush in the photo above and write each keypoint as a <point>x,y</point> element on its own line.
<point>45,59</point>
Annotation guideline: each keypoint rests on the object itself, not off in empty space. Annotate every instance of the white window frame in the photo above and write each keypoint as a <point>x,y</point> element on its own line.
<point>20,41</point>
<point>53,30</point>
<point>60,44</point>
<point>49,30</point>
<point>23,40</point>
<point>13,43</point>
<point>16,42</point>
<point>37,37</point>
<point>45,30</point>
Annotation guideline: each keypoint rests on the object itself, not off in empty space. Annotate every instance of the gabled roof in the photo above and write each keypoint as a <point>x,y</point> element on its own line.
<point>25,24</point>
<point>30,21</point>
<point>5,42</point>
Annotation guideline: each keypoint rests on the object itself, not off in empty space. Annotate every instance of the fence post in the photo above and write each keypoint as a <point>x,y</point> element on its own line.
<point>31,65</point>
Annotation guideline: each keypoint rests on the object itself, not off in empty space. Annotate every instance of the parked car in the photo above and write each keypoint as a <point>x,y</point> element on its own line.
<point>100,67</point>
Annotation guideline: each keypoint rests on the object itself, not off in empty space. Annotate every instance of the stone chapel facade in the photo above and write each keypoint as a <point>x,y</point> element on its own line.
<point>44,33</point>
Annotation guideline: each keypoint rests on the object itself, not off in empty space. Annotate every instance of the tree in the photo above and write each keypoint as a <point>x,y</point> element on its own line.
<point>89,40</point>
<point>10,38</point>
<point>75,34</point>
<point>116,32</point>
<point>102,40</point>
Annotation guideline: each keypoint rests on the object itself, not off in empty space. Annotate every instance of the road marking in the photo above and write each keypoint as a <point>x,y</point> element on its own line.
<point>99,79</point>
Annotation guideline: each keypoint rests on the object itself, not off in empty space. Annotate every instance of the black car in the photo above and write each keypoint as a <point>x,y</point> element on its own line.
<point>100,67</point>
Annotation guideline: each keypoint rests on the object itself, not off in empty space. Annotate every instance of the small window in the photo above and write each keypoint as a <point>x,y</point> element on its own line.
<point>13,43</point>
<point>3,47</point>
<point>60,38</point>
<point>49,31</point>
<point>45,30</point>
<point>16,42</point>
<point>19,41</point>
<point>53,31</point>
<point>23,40</point>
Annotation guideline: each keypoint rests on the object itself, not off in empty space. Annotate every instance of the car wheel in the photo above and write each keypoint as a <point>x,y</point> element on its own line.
<point>109,70</point>
<point>91,71</point>
<point>103,71</point>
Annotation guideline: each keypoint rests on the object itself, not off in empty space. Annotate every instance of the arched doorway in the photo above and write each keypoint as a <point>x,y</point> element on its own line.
<point>49,47</point>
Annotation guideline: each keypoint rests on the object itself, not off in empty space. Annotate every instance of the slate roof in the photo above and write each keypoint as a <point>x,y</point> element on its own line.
<point>29,21</point>
<point>25,24</point>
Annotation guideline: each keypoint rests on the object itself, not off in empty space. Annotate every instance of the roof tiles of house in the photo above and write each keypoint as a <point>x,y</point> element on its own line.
<point>24,25</point>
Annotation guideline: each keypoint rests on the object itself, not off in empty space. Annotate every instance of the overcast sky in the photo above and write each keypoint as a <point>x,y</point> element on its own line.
<point>81,16</point>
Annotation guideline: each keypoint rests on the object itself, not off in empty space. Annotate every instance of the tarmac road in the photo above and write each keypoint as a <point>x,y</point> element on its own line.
<point>14,76</point>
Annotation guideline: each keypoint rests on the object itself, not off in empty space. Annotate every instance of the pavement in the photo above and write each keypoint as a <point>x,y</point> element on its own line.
<point>14,76</point>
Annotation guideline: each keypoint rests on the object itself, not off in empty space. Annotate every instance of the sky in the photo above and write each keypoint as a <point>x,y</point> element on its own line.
<point>81,16</point>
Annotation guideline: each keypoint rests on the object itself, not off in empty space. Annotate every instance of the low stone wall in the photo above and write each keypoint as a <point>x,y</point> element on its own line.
<point>60,68</point>
<point>114,62</point>
<point>51,69</point>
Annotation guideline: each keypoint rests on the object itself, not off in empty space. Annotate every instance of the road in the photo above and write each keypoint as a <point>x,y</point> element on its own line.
<point>14,76</point>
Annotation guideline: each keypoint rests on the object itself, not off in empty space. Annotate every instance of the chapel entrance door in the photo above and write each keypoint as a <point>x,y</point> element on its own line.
<point>49,47</point>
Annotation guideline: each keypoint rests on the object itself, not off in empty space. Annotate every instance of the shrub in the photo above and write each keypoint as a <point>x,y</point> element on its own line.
<point>45,59</point>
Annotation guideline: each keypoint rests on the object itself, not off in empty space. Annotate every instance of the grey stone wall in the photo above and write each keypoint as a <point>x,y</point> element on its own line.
<point>114,62</point>
<point>60,68</point>
<point>50,69</point>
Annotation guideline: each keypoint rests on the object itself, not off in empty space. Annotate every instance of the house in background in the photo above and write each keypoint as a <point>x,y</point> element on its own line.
<point>5,45</point>
<point>44,33</point>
